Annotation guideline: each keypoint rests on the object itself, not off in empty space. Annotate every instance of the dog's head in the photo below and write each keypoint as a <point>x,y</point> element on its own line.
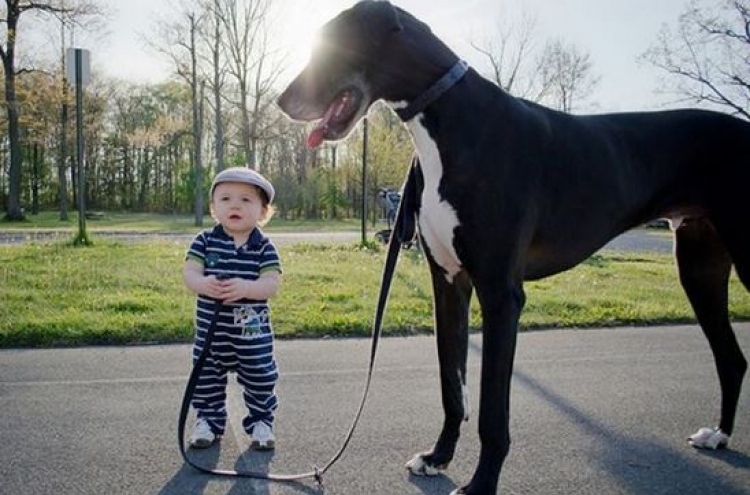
<point>372,51</point>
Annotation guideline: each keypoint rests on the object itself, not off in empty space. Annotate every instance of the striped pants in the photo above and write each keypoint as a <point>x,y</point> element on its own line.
<point>250,355</point>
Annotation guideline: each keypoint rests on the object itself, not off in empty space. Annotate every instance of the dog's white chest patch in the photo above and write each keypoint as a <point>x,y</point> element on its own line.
<point>437,218</point>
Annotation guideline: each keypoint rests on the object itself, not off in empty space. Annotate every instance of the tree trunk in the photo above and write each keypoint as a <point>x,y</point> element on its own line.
<point>62,160</point>
<point>217,94</point>
<point>62,176</point>
<point>256,117</point>
<point>245,126</point>
<point>197,128</point>
<point>36,160</point>
<point>13,210</point>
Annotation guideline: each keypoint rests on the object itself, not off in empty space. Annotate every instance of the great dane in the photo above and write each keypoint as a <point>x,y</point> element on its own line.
<point>513,191</point>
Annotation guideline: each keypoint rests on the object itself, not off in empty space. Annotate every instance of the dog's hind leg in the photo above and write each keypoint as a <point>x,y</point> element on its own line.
<point>451,301</point>
<point>737,240</point>
<point>705,265</point>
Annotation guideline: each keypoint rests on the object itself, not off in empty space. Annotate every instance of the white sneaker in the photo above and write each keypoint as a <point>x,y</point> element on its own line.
<point>262,437</point>
<point>202,436</point>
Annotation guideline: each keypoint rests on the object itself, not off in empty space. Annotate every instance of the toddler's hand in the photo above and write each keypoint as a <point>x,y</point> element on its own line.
<point>234,289</point>
<point>214,288</point>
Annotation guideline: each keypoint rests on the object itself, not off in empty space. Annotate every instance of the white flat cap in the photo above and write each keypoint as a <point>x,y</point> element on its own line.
<point>245,176</point>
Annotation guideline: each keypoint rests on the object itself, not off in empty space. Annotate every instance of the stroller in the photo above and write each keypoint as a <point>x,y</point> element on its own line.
<point>389,200</point>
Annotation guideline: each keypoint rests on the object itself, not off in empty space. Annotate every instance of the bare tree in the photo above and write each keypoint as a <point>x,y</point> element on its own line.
<point>565,75</point>
<point>179,40</point>
<point>196,90</point>
<point>706,55</point>
<point>218,83</point>
<point>246,26</point>
<point>62,157</point>
<point>264,112</point>
<point>557,74</point>
<point>509,53</point>
<point>241,21</point>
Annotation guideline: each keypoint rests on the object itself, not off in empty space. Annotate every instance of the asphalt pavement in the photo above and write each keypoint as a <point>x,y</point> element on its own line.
<point>597,411</point>
<point>280,238</point>
<point>636,240</point>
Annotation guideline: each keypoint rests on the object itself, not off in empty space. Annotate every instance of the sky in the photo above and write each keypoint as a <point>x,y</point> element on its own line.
<point>613,32</point>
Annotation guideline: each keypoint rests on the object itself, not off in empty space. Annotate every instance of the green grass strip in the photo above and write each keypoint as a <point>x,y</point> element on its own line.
<point>112,293</point>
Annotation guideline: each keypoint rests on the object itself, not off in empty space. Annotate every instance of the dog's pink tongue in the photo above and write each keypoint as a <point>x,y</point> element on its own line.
<point>315,138</point>
<point>317,135</point>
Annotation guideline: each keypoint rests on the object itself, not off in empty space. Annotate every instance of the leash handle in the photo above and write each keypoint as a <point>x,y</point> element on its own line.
<point>394,246</point>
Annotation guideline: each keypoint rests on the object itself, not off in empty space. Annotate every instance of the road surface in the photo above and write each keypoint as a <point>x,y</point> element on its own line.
<point>638,240</point>
<point>593,412</point>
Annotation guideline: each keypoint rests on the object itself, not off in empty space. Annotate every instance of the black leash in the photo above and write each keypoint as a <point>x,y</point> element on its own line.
<point>404,229</point>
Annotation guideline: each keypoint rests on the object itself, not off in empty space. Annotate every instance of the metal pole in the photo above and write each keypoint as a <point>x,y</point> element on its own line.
<point>333,182</point>
<point>82,237</point>
<point>364,184</point>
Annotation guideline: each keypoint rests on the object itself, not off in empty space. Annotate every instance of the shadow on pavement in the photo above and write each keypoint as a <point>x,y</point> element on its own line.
<point>433,484</point>
<point>190,481</point>
<point>732,457</point>
<point>641,465</point>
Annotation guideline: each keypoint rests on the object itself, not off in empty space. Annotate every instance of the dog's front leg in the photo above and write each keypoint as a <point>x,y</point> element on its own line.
<point>501,309</point>
<point>451,301</point>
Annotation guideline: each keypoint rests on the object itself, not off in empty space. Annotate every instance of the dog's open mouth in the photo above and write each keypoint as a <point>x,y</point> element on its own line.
<point>338,119</point>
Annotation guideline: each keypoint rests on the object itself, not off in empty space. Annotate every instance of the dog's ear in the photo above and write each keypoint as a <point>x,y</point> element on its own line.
<point>397,25</point>
<point>386,16</point>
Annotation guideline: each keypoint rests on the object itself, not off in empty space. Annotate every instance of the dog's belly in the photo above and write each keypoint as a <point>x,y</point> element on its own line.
<point>437,218</point>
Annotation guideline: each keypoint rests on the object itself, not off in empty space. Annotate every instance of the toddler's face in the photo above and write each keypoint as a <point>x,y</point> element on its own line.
<point>237,206</point>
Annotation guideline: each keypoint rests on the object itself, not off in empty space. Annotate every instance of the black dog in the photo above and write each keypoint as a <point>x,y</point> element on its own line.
<point>513,191</point>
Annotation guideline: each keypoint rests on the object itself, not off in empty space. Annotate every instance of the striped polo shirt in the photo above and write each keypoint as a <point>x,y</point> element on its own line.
<point>216,251</point>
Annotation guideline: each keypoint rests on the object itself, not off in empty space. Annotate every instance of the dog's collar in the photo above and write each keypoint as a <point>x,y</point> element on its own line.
<point>433,92</point>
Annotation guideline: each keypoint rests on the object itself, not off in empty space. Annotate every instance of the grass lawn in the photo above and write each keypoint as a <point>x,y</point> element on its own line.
<point>113,293</point>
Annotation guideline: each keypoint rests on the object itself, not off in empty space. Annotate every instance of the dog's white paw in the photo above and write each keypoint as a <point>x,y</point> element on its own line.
<point>709,438</point>
<point>418,467</point>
